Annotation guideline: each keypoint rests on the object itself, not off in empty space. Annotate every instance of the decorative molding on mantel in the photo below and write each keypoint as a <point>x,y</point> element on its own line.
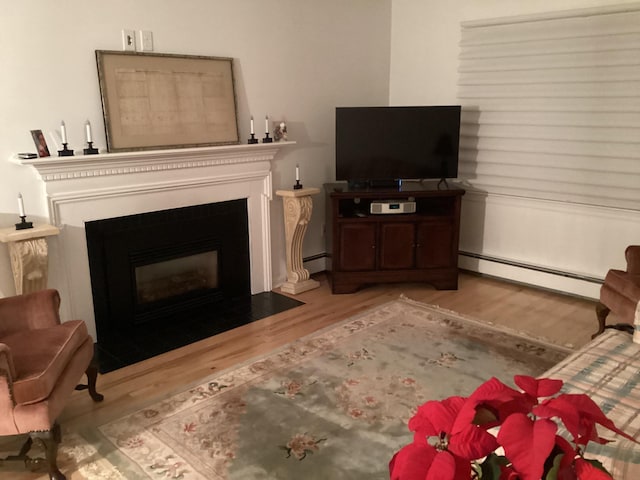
<point>53,169</point>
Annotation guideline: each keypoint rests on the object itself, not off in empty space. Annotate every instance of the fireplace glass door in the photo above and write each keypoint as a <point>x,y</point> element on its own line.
<point>170,279</point>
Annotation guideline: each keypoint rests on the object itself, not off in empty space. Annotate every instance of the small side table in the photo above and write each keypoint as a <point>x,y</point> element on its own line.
<point>297,206</point>
<point>29,256</point>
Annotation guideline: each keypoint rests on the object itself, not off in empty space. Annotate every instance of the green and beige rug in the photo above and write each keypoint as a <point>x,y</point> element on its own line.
<point>333,405</point>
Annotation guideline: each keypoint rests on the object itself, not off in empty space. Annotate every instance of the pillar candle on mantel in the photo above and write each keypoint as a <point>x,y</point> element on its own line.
<point>87,132</point>
<point>266,124</point>
<point>20,206</point>
<point>252,131</point>
<point>63,132</point>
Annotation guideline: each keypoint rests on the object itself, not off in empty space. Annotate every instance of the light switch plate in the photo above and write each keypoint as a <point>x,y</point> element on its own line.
<point>128,40</point>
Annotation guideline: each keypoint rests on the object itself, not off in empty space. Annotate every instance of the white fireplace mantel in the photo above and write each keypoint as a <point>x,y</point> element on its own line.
<point>53,169</point>
<point>94,187</point>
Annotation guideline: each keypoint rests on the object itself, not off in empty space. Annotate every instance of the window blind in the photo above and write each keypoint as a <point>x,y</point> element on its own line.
<point>551,106</point>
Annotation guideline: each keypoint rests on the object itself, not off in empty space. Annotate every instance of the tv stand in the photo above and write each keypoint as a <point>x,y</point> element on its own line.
<point>367,248</point>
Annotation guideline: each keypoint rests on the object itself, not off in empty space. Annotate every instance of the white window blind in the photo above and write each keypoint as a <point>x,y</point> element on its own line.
<point>551,106</point>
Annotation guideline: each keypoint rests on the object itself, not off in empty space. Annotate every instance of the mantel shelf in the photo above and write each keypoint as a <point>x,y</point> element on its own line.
<point>82,166</point>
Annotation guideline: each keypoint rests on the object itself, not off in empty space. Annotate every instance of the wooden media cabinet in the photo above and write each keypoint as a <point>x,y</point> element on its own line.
<point>366,248</point>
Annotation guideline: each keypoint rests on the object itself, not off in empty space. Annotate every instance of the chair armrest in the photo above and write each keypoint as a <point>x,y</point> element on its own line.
<point>632,254</point>
<point>30,311</point>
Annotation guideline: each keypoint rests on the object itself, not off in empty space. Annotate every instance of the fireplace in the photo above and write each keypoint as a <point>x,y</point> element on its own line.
<point>162,266</point>
<point>83,189</point>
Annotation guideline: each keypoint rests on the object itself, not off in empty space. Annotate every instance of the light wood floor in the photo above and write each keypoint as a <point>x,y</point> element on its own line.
<point>560,318</point>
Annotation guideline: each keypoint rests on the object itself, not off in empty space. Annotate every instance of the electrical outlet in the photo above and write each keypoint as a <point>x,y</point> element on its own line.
<point>129,40</point>
<point>146,41</point>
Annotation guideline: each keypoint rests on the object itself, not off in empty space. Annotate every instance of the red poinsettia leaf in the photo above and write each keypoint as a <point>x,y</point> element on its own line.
<point>463,469</point>
<point>472,443</point>
<point>538,387</point>
<point>446,466</point>
<point>585,470</point>
<point>527,443</point>
<point>569,453</point>
<point>434,417</point>
<point>590,411</point>
<point>412,462</point>
<point>491,394</point>
<point>443,467</point>
<point>564,410</point>
<point>508,473</point>
<point>522,404</point>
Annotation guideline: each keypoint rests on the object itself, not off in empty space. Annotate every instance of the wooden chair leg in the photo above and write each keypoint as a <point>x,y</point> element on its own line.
<point>601,312</point>
<point>50,441</point>
<point>92,376</point>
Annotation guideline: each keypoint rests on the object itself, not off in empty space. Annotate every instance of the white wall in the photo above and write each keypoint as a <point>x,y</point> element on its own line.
<point>294,60</point>
<point>573,238</point>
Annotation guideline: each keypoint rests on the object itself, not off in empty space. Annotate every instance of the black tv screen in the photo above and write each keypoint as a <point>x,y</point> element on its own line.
<point>382,144</point>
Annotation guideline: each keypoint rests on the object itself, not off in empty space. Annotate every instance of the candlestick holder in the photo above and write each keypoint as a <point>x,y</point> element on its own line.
<point>253,139</point>
<point>267,138</point>
<point>90,150</point>
<point>65,152</point>
<point>23,225</point>
<point>298,185</point>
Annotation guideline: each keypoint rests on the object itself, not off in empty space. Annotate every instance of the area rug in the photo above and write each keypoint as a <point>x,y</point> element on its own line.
<point>333,405</point>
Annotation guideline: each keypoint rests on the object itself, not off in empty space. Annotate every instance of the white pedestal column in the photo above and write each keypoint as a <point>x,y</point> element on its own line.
<point>29,256</point>
<point>297,206</point>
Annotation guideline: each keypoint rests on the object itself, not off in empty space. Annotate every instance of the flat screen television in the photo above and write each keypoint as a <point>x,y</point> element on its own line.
<point>380,146</point>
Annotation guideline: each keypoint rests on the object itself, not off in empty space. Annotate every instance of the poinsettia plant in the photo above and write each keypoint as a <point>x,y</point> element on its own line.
<point>500,433</point>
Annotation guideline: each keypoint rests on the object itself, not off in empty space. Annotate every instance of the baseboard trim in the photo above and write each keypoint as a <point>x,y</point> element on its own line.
<point>566,282</point>
<point>315,263</point>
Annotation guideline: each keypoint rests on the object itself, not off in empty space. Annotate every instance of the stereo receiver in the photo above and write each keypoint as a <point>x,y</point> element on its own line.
<point>393,206</point>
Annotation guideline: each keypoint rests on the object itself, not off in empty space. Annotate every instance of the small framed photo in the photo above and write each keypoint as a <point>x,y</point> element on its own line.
<point>41,143</point>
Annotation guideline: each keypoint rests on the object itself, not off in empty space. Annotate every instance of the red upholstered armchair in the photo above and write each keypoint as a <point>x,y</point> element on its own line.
<point>620,293</point>
<point>41,363</point>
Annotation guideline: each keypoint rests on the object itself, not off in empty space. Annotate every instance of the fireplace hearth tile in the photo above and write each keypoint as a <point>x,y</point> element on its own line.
<point>148,341</point>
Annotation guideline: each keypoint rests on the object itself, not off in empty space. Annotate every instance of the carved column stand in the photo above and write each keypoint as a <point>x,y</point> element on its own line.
<point>297,206</point>
<point>29,256</point>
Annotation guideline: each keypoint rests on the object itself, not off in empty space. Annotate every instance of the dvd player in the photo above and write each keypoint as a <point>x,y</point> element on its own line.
<point>381,207</point>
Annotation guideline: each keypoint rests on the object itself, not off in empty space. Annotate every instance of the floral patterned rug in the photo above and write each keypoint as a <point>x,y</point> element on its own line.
<point>333,405</point>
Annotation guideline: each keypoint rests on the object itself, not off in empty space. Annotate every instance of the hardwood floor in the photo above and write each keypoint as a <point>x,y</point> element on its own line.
<point>560,318</point>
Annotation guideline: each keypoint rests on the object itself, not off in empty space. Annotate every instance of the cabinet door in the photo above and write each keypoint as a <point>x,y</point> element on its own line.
<point>434,245</point>
<point>357,246</point>
<point>397,242</point>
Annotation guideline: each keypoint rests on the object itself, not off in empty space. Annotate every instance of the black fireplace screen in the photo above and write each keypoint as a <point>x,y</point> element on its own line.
<point>176,277</point>
<point>162,265</point>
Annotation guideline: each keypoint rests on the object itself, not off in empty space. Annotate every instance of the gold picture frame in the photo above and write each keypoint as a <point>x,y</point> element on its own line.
<point>159,101</point>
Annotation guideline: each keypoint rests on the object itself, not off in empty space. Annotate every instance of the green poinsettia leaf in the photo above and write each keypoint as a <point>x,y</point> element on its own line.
<point>490,467</point>
<point>552,474</point>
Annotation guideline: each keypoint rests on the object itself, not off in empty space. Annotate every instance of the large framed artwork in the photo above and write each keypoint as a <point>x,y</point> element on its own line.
<point>156,101</point>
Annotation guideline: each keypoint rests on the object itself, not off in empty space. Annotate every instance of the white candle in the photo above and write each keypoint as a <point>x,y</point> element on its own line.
<point>87,132</point>
<point>20,206</point>
<point>252,131</point>
<point>297,173</point>
<point>63,132</point>
<point>266,124</point>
